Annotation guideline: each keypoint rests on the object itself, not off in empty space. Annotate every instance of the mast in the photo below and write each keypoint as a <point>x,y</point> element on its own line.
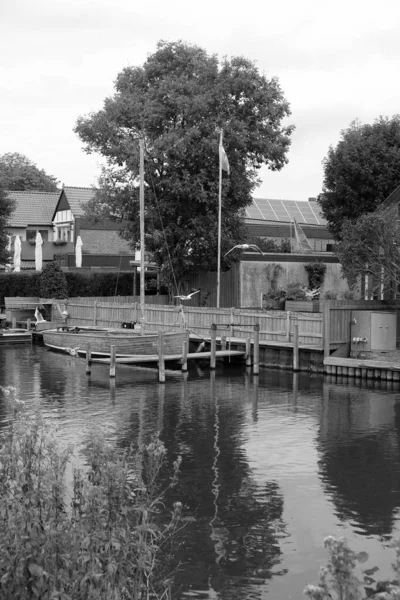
<point>142,248</point>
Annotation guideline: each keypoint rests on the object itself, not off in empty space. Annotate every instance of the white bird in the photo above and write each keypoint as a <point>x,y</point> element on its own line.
<point>188,297</point>
<point>246,247</point>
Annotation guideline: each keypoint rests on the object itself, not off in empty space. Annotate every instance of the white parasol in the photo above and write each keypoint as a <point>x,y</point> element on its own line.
<point>17,253</point>
<point>78,252</point>
<point>38,252</point>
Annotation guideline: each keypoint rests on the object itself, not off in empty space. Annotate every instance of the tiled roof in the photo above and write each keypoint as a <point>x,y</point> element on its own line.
<point>77,198</point>
<point>285,210</point>
<point>33,207</point>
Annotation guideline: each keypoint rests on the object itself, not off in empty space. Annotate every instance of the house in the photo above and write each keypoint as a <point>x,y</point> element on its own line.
<point>273,220</point>
<point>60,218</point>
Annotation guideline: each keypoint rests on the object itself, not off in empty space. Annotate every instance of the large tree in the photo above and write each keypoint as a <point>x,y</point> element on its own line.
<point>6,209</point>
<point>371,247</point>
<point>18,173</point>
<point>361,171</point>
<point>178,101</point>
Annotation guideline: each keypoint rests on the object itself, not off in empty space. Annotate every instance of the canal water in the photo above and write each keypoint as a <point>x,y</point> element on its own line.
<point>271,465</point>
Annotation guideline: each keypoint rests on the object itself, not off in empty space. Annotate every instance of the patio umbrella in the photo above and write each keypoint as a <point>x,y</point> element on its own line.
<point>38,252</point>
<point>9,265</point>
<point>17,253</point>
<point>78,252</point>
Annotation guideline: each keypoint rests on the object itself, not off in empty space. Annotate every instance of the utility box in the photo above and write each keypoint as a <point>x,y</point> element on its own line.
<point>373,331</point>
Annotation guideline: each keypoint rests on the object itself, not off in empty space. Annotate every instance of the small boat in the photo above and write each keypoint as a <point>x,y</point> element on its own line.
<point>15,336</point>
<point>127,342</point>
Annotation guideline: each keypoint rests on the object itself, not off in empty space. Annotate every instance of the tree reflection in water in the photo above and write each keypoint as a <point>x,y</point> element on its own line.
<point>359,456</point>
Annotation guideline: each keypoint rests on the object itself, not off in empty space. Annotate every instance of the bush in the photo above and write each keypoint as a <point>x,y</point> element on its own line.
<point>53,283</point>
<point>295,291</point>
<point>106,543</point>
<point>24,283</point>
<point>316,273</point>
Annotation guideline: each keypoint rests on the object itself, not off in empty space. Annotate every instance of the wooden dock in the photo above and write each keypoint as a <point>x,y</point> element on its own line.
<point>137,359</point>
<point>367,369</point>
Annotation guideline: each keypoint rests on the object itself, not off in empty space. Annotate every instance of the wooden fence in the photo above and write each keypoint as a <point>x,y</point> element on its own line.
<point>274,325</point>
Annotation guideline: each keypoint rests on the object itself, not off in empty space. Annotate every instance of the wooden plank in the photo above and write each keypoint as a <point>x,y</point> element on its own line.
<point>173,357</point>
<point>362,363</point>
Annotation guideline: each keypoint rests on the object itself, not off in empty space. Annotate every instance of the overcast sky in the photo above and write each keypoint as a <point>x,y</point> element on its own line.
<point>336,61</point>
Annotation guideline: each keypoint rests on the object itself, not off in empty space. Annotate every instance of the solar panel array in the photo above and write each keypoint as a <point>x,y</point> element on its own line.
<point>285,211</point>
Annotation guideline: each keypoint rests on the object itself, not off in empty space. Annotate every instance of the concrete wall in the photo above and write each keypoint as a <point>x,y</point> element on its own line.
<point>256,278</point>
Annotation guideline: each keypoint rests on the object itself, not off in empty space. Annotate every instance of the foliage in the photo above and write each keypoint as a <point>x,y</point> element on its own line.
<point>295,291</point>
<point>267,245</point>
<point>53,283</point>
<point>338,580</point>
<point>370,246</point>
<point>361,171</point>
<point>18,173</point>
<point>108,542</point>
<point>178,100</point>
<point>24,283</point>
<point>330,295</point>
<point>316,273</point>
<point>7,207</point>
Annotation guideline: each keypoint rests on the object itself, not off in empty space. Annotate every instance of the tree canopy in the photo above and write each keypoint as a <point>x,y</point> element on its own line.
<point>6,209</point>
<point>361,171</point>
<point>18,173</point>
<point>371,246</point>
<point>178,101</point>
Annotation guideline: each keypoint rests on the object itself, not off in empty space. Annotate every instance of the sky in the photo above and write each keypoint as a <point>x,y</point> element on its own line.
<point>335,61</point>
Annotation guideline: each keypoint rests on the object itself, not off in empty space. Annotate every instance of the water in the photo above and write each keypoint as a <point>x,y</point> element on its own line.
<point>270,465</point>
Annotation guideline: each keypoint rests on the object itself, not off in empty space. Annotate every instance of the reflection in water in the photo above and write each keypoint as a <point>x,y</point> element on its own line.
<point>271,464</point>
<point>359,455</point>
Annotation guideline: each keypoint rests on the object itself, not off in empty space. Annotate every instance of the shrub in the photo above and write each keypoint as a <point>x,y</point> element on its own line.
<point>107,543</point>
<point>53,283</point>
<point>295,291</point>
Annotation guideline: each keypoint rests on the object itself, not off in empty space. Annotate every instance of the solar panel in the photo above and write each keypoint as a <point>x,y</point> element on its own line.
<point>285,210</point>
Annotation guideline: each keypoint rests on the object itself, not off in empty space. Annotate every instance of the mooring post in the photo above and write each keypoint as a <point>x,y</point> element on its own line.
<point>256,351</point>
<point>112,361</point>
<point>161,357</point>
<point>185,346</point>
<point>88,360</point>
<point>248,352</point>
<point>295,346</point>
<point>213,346</point>
<point>14,322</point>
<point>28,324</point>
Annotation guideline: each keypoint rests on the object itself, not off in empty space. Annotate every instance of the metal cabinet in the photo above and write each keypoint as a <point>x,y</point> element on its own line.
<point>373,330</point>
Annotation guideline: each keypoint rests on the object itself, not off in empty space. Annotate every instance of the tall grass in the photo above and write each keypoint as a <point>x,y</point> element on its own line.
<point>107,541</point>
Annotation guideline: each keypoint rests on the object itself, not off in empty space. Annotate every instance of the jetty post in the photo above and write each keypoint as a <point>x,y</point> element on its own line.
<point>213,346</point>
<point>112,361</point>
<point>295,346</point>
<point>256,354</point>
<point>88,360</point>
<point>161,357</point>
<point>185,347</point>
<point>248,352</point>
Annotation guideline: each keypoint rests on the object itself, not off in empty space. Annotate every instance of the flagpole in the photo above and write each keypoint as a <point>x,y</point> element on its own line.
<point>219,222</point>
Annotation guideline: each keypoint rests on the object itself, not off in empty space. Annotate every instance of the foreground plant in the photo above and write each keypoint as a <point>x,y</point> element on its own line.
<point>107,542</point>
<point>338,580</point>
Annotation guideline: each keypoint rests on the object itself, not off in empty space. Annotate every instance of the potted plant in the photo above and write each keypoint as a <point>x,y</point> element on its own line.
<point>301,299</point>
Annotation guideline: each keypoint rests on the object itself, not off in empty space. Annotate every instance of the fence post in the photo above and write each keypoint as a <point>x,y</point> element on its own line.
<point>112,361</point>
<point>296,346</point>
<point>288,326</point>
<point>28,324</point>
<point>14,322</point>
<point>326,329</point>
<point>256,352</point>
<point>161,357</point>
<point>213,346</point>
<point>95,312</point>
